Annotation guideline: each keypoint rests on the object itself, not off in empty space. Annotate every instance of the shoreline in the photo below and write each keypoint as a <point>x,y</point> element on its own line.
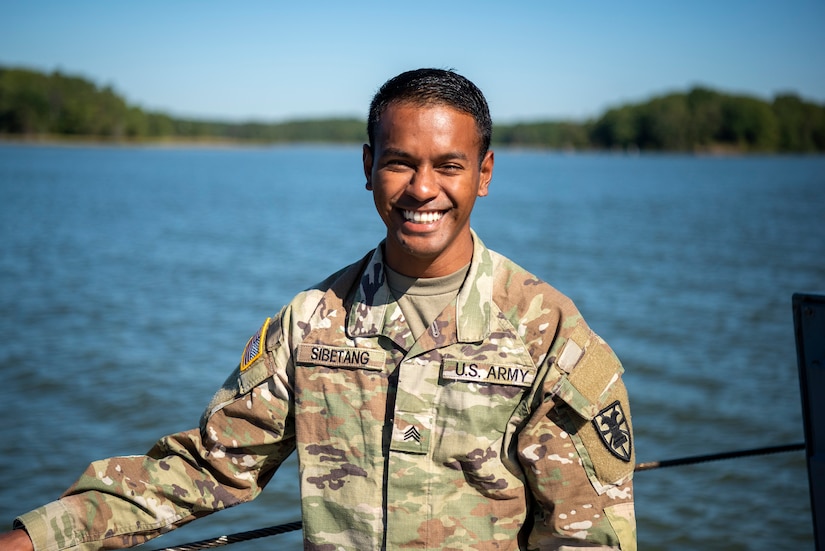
<point>161,143</point>
<point>57,140</point>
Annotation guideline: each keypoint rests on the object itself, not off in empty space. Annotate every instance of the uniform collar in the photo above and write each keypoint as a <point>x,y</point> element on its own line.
<point>473,305</point>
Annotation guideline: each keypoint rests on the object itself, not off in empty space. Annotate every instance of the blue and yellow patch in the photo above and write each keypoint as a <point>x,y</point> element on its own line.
<point>255,346</point>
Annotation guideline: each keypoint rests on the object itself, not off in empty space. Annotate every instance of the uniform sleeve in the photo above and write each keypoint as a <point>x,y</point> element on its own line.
<point>244,436</point>
<point>577,451</point>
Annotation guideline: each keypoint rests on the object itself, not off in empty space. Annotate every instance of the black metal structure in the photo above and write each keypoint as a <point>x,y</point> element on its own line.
<point>809,329</point>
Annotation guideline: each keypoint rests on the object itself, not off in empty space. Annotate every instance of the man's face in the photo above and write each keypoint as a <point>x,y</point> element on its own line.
<point>425,175</point>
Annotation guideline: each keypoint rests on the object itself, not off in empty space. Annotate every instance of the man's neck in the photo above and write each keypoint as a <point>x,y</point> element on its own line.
<point>444,264</point>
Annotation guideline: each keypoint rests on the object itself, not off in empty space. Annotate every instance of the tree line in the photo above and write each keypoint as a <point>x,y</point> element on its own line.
<point>701,120</point>
<point>36,104</point>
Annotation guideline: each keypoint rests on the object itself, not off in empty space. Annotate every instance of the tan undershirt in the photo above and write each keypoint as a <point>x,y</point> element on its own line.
<point>422,299</point>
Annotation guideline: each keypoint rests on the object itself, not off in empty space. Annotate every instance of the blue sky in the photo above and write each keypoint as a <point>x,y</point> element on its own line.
<point>273,61</point>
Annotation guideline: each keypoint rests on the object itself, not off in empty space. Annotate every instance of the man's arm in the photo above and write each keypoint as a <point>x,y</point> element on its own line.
<point>577,452</point>
<point>16,540</point>
<point>245,434</point>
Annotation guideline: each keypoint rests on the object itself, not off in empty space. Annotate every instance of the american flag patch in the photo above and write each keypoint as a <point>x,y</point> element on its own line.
<point>255,346</point>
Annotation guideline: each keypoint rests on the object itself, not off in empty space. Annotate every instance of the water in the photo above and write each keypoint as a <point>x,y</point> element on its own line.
<point>131,278</point>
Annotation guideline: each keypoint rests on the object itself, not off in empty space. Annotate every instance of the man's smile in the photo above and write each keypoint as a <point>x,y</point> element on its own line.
<point>427,217</point>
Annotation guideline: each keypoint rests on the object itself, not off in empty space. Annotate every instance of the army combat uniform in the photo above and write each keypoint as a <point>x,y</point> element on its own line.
<point>504,425</point>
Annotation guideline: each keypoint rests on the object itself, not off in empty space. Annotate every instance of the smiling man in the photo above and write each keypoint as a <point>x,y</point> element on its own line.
<point>428,167</point>
<point>438,396</point>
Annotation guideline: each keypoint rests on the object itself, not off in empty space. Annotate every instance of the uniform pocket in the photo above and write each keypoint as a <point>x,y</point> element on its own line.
<point>622,518</point>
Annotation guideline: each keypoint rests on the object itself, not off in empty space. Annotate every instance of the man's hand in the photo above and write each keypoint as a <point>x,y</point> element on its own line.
<point>16,540</point>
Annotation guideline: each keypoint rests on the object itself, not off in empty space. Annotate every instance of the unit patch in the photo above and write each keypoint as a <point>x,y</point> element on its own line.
<point>341,356</point>
<point>255,346</point>
<point>611,424</point>
<point>481,372</point>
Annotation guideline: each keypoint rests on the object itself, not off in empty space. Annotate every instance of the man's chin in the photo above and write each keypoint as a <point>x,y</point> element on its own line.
<point>421,247</point>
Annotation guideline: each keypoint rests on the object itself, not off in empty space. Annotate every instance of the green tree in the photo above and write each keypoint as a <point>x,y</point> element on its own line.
<point>617,128</point>
<point>801,125</point>
<point>748,123</point>
<point>33,103</point>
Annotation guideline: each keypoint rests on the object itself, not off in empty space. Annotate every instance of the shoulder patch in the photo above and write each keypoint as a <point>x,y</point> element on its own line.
<point>611,426</point>
<point>604,440</point>
<point>255,346</point>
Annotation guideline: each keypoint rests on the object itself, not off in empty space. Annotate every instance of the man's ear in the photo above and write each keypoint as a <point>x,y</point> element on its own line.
<point>486,174</point>
<point>367,159</point>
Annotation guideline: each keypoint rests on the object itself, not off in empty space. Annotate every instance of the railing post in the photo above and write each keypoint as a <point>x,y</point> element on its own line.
<point>809,329</point>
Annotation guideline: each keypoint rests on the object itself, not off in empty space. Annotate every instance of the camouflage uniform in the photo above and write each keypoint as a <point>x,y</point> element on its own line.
<point>504,426</point>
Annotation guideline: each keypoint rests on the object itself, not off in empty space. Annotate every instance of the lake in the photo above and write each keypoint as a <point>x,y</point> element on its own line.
<point>132,277</point>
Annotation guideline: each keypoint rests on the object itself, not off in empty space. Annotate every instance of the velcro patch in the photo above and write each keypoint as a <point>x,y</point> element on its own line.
<point>595,372</point>
<point>255,346</point>
<point>484,372</point>
<point>340,356</point>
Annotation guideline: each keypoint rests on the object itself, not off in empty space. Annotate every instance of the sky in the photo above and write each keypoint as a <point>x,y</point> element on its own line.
<point>560,60</point>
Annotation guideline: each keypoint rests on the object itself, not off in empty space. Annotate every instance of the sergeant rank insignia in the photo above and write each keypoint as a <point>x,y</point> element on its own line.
<point>611,424</point>
<point>254,347</point>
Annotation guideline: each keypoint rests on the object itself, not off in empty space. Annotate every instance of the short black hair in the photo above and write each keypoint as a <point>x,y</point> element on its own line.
<point>424,87</point>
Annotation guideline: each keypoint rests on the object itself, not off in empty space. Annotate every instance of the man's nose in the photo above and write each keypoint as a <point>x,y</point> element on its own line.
<point>424,184</point>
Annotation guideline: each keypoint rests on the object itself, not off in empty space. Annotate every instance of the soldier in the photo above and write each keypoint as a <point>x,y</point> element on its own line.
<point>438,396</point>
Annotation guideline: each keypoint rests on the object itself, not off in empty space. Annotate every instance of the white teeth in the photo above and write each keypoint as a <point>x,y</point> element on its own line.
<point>422,217</point>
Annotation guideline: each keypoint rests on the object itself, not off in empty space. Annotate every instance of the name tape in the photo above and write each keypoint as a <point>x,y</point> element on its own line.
<point>339,356</point>
<point>483,372</point>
